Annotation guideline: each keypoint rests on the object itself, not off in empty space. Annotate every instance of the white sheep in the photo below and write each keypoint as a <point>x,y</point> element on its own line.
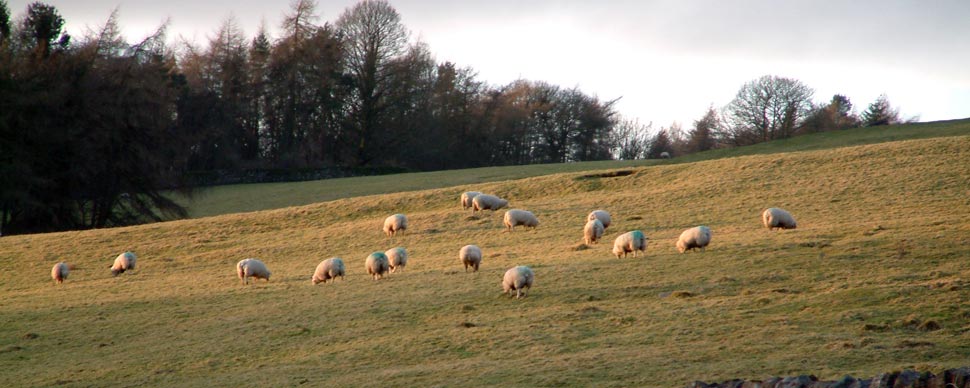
<point>696,237</point>
<point>124,262</point>
<point>777,218</point>
<point>601,215</point>
<point>59,272</point>
<point>593,231</point>
<point>516,217</point>
<point>470,256</point>
<point>328,269</point>
<point>632,241</point>
<point>466,199</point>
<point>394,223</point>
<point>397,258</point>
<point>488,202</point>
<point>665,155</point>
<point>377,265</point>
<point>518,278</point>
<point>252,268</point>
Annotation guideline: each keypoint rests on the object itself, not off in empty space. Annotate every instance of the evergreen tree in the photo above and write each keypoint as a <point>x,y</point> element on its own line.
<point>880,113</point>
<point>659,144</point>
<point>701,138</point>
<point>4,22</point>
<point>41,27</point>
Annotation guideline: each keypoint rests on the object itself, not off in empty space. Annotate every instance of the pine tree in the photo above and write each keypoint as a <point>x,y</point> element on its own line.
<point>880,113</point>
<point>701,138</point>
<point>659,144</point>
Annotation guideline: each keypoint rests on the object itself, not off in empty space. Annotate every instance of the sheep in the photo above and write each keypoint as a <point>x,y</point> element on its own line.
<point>470,256</point>
<point>397,258</point>
<point>601,215</point>
<point>632,241</point>
<point>252,268</point>
<point>665,155</point>
<point>466,199</point>
<point>328,269</point>
<point>518,278</point>
<point>59,272</point>
<point>777,218</point>
<point>377,265</point>
<point>697,237</point>
<point>516,217</point>
<point>394,223</point>
<point>124,262</point>
<point>488,202</point>
<point>593,231</point>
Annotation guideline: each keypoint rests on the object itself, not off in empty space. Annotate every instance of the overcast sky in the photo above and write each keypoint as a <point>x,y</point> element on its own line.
<point>668,60</point>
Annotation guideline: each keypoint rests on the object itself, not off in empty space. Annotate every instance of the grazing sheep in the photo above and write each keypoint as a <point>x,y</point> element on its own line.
<point>394,223</point>
<point>377,265</point>
<point>470,256</point>
<point>519,279</point>
<point>59,272</point>
<point>516,217</point>
<point>665,155</point>
<point>777,218</point>
<point>466,199</point>
<point>397,258</point>
<point>251,268</point>
<point>632,241</point>
<point>488,202</point>
<point>593,231</point>
<point>601,215</point>
<point>328,269</point>
<point>697,237</point>
<point>124,262</point>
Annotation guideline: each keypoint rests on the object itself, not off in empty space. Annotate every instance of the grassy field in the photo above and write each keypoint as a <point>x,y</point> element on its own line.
<point>253,197</point>
<point>874,279</point>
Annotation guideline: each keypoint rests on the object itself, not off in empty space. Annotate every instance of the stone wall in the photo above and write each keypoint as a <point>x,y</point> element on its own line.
<point>227,177</point>
<point>951,378</point>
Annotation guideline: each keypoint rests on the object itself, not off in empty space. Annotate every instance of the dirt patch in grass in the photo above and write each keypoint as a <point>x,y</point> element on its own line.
<point>610,174</point>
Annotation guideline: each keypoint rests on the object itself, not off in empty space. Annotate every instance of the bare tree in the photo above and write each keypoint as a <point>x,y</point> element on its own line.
<point>373,35</point>
<point>768,108</point>
<point>631,140</point>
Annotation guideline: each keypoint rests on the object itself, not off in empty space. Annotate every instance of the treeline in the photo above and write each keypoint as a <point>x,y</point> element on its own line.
<point>765,109</point>
<point>94,130</point>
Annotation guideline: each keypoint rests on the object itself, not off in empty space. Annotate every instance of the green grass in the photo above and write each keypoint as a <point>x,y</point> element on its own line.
<point>230,199</point>
<point>253,197</point>
<point>881,249</point>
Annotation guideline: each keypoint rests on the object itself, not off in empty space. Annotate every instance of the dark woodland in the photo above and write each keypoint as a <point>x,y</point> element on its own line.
<point>96,131</point>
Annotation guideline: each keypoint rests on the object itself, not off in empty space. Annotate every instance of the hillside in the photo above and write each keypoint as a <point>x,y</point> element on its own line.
<point>253,197</point>
<point>875,279</point>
